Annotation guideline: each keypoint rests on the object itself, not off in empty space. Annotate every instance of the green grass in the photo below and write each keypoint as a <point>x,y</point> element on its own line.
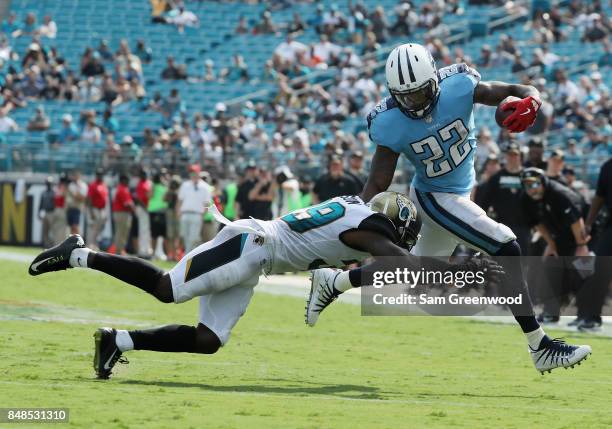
<point>348,372</point>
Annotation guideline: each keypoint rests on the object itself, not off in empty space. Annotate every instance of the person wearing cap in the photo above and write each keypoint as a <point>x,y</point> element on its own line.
<point>192,202</point>
<point>500,196</point>
<point>555,165</point>
<point>335,183</point>
<point>69,131</point>
<point>355,169</point>
<point>556,212</point>
<point>97,200</point>
<point>535,156</point>
<point>45,212</point>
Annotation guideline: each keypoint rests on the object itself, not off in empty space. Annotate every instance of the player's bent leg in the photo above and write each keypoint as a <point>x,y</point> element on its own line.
<point>219,312</point>
<point>110,343</point>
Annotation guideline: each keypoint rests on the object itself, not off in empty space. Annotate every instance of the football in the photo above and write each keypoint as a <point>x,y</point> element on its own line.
<point>501,115</point>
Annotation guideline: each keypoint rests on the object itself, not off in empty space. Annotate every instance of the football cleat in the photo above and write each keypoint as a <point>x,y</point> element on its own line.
<point>322,293</point>
<point>556,353</point>
<point>576,322</point>
<point>107,353</point>
<point>56,258</point>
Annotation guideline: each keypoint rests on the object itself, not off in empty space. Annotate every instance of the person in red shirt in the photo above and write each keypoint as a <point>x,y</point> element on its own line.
<point>123,206</point>
<point>59,224</point>
<point>97,215</point>
<point>144,190</point>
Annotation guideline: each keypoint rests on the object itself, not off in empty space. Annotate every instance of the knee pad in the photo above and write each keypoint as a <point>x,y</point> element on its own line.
<point>511,248</point>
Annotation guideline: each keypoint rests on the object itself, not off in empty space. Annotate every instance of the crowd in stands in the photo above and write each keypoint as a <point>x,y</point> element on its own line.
<point>303,124</point>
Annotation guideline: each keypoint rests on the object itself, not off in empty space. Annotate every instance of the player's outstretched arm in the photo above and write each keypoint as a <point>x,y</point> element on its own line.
<point>491,93</point>
<point>381,172</point>
<point>524,110</point>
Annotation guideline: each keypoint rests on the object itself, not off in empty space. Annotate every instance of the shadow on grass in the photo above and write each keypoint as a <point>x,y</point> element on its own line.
<point>351,391</point>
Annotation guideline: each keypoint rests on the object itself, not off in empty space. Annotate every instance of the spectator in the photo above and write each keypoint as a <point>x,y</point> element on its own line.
<point>380,25</point>
<point>172,70</point>
<point>45,213</point>
<point>356,168</point>
<point>244,206</point>
<point>172,224</point>
<point>556,213</point>
<point>266,25</point>
<point>555,166</point>
<point>486,57</point>
<point>325,49</point>
<point>535,156</point>
<point>105,51</point>
<point>33,84</point>
<point>48,28</point>
<point>157,213</point>
<point>59,224</point>
<point>40,121</point>
<point>519,63</point>
<point>10,24</point>
<point>193,199</point>
<point>91,64</point>
<point>91,132</point>
<point>262,195</point>
<point>7,124</point>
<point>171,106</point>
<point>243,26</point>
<point>486,147</point>
<point>183,18</point>
<point>297,25</point>
<point>143,52</point>
<point>335,183</point>
<point>89,91</point>
<point>27,28</point>
<point>288,50</point>
<point>109,122</point>
<point>500,197</point>
<point>144,191</point>
<point>122,207</point>
<point>209,71</point>
<point>97,199</point>
<point>75,201</point>
<point>238,70</point>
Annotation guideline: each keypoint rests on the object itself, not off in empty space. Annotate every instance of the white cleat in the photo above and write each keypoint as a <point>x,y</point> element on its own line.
<point>557,353</point>
<point>322,293</point>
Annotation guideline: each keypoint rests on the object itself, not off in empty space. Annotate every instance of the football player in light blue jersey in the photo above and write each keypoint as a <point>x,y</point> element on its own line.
<point>429,119</point>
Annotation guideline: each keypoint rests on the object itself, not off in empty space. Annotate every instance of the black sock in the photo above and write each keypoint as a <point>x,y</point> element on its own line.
<point>355,277</point>
<point>135,271</point>
<point>170,338</point>
<point>528,323</point>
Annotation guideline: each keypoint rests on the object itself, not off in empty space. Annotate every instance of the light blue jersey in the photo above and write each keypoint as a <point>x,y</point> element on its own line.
<point>441,146</point>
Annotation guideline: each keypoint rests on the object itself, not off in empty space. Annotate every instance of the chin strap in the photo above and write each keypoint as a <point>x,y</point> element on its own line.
<point>232,225</point>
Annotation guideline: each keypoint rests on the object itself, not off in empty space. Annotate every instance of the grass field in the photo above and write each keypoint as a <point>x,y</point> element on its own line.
<point>348,372</point>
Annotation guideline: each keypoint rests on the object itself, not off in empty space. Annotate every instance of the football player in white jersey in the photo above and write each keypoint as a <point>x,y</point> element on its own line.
<point>224,271</point>
<point>429,119</point>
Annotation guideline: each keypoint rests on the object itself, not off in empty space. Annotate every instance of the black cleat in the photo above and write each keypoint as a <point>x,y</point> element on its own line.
<point>107,353</point>
<point>576,322</point>
<point>590,325</point>
<point>56,258</point>
<point>547,319</point>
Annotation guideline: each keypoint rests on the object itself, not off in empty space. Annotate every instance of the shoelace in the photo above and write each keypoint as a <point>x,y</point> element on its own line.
<point>328,296</point>
<point>555,350</point>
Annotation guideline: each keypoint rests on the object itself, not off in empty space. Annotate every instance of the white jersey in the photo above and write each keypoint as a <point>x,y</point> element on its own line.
<point>311,238</point>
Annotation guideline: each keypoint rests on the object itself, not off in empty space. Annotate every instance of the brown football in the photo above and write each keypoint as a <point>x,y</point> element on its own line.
<point>501,115</point>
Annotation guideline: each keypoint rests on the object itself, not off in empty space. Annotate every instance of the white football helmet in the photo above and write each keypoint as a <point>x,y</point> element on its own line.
<point>412,79</point>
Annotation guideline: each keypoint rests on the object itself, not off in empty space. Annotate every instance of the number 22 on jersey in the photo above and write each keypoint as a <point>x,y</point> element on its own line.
<point>458,151</point>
